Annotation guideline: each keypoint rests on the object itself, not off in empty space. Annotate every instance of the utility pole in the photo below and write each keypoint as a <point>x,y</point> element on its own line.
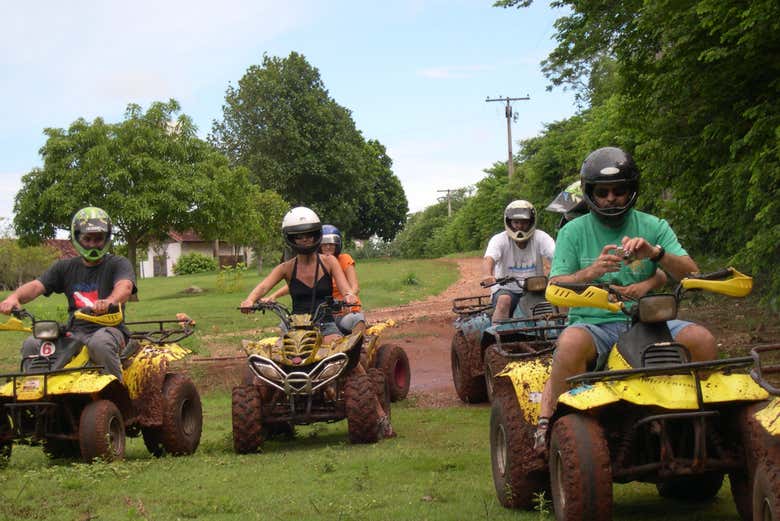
<point>449,203</point>
<point>510,164</point>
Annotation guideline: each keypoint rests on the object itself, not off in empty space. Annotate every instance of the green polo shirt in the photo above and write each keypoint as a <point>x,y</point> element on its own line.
<point>580,242</point>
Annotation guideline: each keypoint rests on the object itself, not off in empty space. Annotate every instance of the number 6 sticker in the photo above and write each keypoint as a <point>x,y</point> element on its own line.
<point>47,349</point>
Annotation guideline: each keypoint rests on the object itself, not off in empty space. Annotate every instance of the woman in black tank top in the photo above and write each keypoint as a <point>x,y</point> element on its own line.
<point>310,277</point>
<point>308,274</point>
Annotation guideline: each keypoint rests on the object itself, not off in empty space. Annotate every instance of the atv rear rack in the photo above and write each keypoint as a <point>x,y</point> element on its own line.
<point>466,306</point>
<point>162,335</point>
<point>766,367</point>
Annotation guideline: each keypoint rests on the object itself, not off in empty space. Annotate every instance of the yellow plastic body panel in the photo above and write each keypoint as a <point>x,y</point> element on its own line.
<point>669,392</point>
<point>14,324</point>
<point>528,379</point>
<point>30,388</point>
<point>295,341</point>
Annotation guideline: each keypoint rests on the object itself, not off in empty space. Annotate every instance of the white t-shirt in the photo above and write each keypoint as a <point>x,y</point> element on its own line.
<point>511,260</point>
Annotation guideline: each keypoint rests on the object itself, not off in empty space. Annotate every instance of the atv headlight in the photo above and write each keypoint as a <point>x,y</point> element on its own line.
<point>657,308</point>
<point>46,330</point>
<point>265,369</point>
<point>331,370</point>
<point>536,284</point>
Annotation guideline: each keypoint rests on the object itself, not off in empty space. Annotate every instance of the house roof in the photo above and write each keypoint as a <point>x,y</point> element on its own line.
<point>63,246</point>
<point>185,236</point>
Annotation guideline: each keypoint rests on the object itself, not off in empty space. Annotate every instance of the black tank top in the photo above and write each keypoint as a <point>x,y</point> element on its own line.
<point>305,299</point>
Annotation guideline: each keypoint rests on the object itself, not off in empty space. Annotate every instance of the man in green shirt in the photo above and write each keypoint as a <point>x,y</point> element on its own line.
<point>586,252</point>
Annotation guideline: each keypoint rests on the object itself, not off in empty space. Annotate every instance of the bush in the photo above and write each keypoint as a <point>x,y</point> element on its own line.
<point>19,265</point>
<point>194,263</point>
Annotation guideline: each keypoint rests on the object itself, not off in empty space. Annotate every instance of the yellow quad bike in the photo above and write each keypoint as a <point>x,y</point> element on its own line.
<point>62,401</point>
<point>391,359</point>
<point>652,415</point>
<point>297,380</point>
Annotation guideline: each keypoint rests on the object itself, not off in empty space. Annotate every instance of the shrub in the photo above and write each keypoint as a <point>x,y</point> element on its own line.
<point>194,263</point>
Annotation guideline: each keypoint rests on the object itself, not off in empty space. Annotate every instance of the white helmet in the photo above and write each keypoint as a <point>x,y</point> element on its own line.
<point>301,220</point>
<point>520,210</point>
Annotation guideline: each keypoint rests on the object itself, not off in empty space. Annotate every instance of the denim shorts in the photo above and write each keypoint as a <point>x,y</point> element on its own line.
<point>515,298</point>
<point>326,328</point>
<point>605,335</point>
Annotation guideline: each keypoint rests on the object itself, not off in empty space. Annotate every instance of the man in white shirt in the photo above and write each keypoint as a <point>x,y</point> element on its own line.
<point>521,251</point>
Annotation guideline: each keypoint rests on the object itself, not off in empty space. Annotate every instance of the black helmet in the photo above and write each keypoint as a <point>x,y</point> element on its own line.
<point>301,220</point>
<point>609,165</point>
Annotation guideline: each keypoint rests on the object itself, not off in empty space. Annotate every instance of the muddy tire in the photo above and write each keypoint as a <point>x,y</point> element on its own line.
<point>394,363</point>
<point>61,449</point>
<point>580,470</point>
<point>247,419</point>
<point>691,488</point>
<point>101,432</point>
<point>470,389</point>
<point>381,387</point>
<point>7,443</point>
<point>766,492</point>
<point>494,363</point>
<point>518,474</point>
<point>755,442</point>
<point>182,418</point>
<point>362,416</point>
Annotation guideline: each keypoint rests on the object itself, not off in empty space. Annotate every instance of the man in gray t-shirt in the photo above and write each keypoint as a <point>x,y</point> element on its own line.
<point>521,251</point>
<point>93,280</point>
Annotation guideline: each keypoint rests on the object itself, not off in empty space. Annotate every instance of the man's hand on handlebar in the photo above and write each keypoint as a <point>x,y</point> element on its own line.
<point>488,281</point>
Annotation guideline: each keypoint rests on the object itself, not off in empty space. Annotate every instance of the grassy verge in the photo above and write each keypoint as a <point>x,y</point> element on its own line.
<point>437,469</point>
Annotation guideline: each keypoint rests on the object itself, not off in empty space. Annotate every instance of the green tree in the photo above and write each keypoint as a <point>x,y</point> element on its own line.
<point>281,123</point>
<point>698,83</point>
<point>149,172</point>
<point>382,206</point>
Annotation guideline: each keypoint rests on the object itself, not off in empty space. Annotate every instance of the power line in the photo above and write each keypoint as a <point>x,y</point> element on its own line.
<point>510,164</point>
<point>449,204</point>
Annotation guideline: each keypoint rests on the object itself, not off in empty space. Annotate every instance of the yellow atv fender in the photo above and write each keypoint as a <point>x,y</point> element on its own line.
<point>669,392</point>
<point>769,417</point>
<point>31,388</point>
<point>149,365</point>
<point>528,379</point>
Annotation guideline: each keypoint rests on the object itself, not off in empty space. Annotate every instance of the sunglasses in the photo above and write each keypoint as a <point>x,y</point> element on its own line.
<point>602,191</point>
<point>301,236</point>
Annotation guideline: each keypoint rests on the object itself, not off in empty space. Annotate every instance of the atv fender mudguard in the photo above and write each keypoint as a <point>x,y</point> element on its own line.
<point>528,378</point>
<point>667,391</point>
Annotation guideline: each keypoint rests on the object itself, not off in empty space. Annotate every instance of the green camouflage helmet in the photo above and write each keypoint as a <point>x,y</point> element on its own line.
<point>90,220</point>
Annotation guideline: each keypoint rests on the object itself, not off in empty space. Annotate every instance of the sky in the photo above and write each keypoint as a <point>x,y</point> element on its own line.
<point>414,73</point>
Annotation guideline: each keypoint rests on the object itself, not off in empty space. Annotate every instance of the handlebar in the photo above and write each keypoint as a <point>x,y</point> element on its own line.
<point>328,306</point>
<point>503,280</point>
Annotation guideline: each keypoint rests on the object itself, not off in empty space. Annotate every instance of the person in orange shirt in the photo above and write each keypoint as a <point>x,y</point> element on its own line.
<point>353,319</point>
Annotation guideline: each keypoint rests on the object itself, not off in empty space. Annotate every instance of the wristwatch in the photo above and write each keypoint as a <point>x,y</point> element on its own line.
<point>658,256</point>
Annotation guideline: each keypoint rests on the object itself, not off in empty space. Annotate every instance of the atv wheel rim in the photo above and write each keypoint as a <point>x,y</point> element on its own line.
<point>188,421</point>
<point>399,375</point>
<point>115,437</point>
<point>501,450</point>
<point>561,488</point>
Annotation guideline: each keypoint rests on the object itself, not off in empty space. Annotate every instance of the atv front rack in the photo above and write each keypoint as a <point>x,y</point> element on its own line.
<point>161,334</point>
<point>12,377</point>
<point>466,306</point>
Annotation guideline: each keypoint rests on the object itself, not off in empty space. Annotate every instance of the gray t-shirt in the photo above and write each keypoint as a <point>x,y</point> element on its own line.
<point>511,260</point>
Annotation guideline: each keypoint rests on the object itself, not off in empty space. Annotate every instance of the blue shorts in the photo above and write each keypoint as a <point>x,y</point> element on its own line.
<point>605,335</point>
<point>515,298</point>
<point>326,328</point>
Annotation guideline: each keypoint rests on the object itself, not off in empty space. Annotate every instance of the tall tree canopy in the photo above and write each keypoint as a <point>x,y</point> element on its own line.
<point>696,87</point>
<point>149,172</point>
<point>295,139</point>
